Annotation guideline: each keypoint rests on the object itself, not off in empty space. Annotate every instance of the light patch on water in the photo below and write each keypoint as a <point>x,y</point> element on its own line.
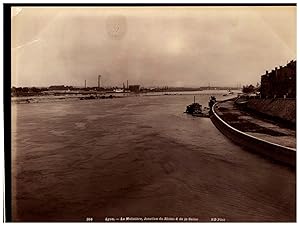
<point>57,132</point>
<point>95,117</point>
<point>80,125</point>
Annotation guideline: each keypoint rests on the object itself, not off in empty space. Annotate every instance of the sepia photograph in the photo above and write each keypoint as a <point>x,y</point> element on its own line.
<point>151,113</point>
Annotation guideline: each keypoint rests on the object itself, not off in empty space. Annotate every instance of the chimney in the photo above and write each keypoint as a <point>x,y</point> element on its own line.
<point>99,80</point>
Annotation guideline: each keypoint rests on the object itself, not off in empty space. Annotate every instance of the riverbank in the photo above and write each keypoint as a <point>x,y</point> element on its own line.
<point>257,134</point>
<point>280,110</point>
<point>258,127</point>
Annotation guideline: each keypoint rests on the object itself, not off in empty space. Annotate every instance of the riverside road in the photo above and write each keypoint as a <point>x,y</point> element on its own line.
<point>138,157</point>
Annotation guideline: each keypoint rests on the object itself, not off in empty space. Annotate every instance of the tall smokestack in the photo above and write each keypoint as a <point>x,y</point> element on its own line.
<point>84,83</point>
<point>99,81</point>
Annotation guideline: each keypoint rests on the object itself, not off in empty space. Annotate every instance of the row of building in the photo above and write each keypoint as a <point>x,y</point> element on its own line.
<point>280,82</point>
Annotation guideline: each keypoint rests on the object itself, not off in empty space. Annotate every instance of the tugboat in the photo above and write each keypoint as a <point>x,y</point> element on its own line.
<point>196,109</point>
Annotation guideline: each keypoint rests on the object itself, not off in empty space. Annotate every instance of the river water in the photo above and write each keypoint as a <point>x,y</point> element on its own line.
<point>138,156</point>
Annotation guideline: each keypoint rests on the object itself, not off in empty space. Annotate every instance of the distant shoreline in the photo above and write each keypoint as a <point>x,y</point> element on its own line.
<point>99,96</point>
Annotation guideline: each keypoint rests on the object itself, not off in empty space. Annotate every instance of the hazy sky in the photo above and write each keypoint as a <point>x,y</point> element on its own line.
<point>173,46</point>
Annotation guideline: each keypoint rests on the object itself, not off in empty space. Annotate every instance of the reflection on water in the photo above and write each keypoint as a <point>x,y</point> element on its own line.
<point>138,156</point>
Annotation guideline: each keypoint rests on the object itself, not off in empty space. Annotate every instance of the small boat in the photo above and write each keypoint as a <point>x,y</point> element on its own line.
<point>197,110</point>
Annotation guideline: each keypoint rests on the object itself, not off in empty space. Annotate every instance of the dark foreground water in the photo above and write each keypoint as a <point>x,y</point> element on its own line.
<point>138,156</point>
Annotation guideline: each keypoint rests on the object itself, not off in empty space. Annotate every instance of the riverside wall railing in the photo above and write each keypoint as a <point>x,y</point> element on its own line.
<point>268,149</point>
